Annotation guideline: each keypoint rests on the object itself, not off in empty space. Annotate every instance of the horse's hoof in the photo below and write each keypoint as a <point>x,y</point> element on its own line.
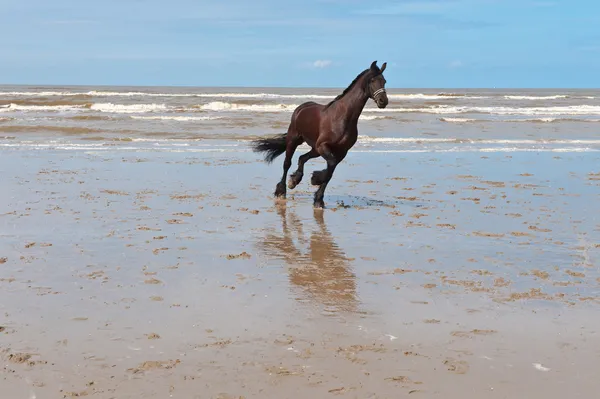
<point>319,204</point>
<point>280,190</point>
<point>294,181</point>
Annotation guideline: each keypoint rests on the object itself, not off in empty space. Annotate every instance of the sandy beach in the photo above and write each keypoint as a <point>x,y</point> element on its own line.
<point>127,274</point>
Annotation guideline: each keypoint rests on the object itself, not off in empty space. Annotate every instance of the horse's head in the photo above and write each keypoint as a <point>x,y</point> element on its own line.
<point>376,85</point>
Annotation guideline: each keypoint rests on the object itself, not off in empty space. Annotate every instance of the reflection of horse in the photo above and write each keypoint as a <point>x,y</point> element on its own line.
<point>324,273</point>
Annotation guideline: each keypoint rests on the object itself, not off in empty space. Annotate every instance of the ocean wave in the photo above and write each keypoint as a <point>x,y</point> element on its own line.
<point>100,107</point>
<point>224,106</point>
<point>262,95</point>
<point>430,140</point>
<point>553,120</point>
<point>458,120</point>
<point>271,95</point>
<point>371,117</point>
<point>534,120</point>
<point>55,129</point>
<point>227,106</point>
<point>42,93</point>
<point>266,96</point>
<point>210,95</point>
<point>448,109</point>
<point>96,93</point>
<point>129,146</point>
<point>555,97</point>
<point>441,96</point>
<point>90,117</point>
<point>483,149</point>
<point>127,108</point>
<point>45,102</point>
<point>176,118</point>
<point>41,108</point>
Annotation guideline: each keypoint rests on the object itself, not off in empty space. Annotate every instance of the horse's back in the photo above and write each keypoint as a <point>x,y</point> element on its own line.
<point>307,104</point>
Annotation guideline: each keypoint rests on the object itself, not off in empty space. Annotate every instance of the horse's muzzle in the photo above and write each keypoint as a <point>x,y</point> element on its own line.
<point>381,102</point>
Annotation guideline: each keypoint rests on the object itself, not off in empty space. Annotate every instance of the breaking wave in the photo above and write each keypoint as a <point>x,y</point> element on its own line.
<point>371,117</point>
<point>534,120</point>
<point>41,108</point>
<point>127,108</point>
<point>176,118</point>
<point>429,140</point>
<point>447,109</point>
<point>458,120</point>
<point>227,106</point>
<point>158,146</point>
<point>100,93</point>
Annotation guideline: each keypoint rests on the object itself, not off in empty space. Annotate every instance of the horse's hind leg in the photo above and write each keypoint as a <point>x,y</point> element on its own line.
<point>323,177</point>
<point>293,141</point>
<point>296,177</point>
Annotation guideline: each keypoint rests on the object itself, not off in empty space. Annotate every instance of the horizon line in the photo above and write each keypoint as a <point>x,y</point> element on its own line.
<point>300,87</point>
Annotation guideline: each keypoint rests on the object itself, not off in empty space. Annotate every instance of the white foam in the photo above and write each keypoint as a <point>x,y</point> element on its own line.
<point>551,120</point>
<point>446,109</point>
<point>127,108</point>
<point>226,106</point>
<point>205,95</point>
<point>262,95</point>
<point>266,95</point>
<point>162,146</point>
<point>405,139</point>
<point>484,149</point>
<point>555,97</point>
<point>457,120</point>
<point>420,140</point>
<point>370,117</point>
<point>528,120</point>
<point>39,93</point>
<point>176,118</point>
<point>421,96</point>
<point>42,108</point>
<point>96,93</point>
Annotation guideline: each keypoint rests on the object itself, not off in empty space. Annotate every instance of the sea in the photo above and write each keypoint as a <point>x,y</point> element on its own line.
<point>196,119</point>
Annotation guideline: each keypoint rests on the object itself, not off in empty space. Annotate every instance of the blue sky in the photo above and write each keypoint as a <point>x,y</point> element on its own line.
<point>315,43</point>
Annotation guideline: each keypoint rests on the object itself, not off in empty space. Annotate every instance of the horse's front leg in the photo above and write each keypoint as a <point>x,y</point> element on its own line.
<point>296,177</point>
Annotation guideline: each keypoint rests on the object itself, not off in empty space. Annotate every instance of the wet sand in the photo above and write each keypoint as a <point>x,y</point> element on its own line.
<point>155,275</point>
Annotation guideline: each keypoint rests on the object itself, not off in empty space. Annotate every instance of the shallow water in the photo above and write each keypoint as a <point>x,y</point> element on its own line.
<point>444,275</point>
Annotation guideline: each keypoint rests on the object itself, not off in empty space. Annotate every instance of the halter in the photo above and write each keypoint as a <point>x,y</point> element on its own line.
<point>378,92</point>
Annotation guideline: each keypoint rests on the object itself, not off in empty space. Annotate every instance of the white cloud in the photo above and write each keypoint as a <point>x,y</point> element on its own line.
<point>321,63</point>
<point>455,64</point>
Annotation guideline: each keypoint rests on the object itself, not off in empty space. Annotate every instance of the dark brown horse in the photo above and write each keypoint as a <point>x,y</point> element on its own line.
<point>330,130</point>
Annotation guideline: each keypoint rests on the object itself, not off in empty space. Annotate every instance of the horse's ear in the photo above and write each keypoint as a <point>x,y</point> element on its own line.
<point>374,65</point>
<point>383,67</point>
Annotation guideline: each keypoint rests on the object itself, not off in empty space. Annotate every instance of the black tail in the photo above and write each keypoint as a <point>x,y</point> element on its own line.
<point>272,146</point>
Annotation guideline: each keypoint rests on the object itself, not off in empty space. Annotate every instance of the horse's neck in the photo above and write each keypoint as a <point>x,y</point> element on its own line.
<point>355,102</point>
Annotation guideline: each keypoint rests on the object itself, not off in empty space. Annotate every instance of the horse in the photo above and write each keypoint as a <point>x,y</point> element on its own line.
<point>329,129</point>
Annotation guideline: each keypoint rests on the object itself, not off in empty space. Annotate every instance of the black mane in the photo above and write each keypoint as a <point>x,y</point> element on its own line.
<point>347,89</point>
